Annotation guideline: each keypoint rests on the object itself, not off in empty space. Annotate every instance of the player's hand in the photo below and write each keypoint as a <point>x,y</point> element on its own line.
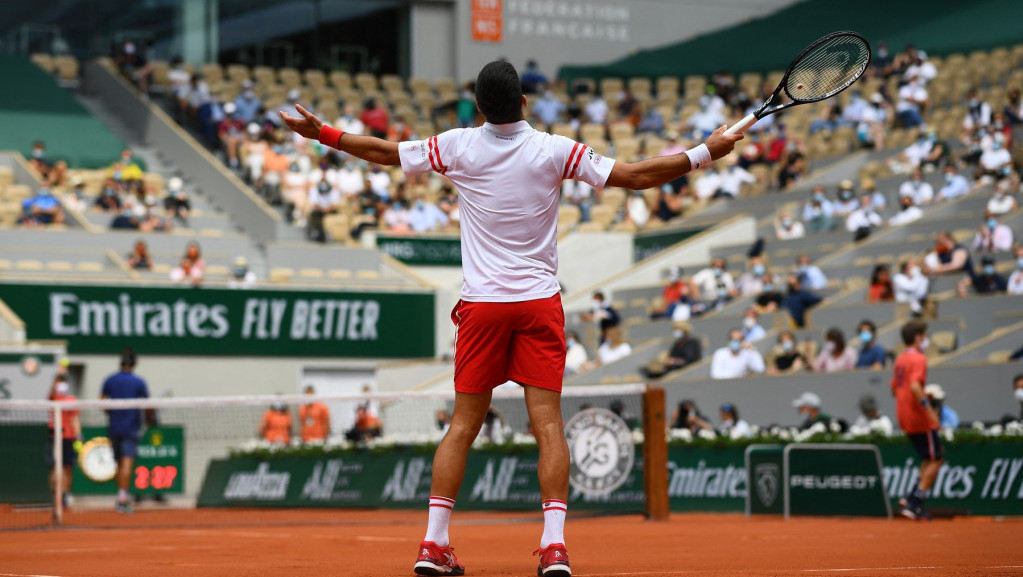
<point>721,144</point>
<point>307,125</point>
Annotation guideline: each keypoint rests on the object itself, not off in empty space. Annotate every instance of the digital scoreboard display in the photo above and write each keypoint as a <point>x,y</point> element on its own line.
<point>158,469</point>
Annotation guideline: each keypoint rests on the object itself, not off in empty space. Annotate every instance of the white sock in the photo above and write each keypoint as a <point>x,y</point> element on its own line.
<point>554,512</point>
<point>440,514</point>
<point>122,496</point>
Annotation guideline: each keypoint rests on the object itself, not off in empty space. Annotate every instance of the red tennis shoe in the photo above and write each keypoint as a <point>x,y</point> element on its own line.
<point>553,561</point>
<point>435,560</point>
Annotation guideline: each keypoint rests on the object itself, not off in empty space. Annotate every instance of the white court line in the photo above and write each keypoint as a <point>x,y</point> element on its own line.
<point>872,569</point>
<point>386,539</point>
<point>21,575</point>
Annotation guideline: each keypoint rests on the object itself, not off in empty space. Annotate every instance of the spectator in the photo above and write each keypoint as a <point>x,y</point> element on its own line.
<point>992,236</point>
<point>798,301</point>
<point>465,108</point>
<point>58,175</point>
<point>275,427</point>
<point>327,200</point>
<point>910,286</point>
<point>614,347</point>
<point>618,408</point>
<point>380,182</point>
<point>548,109</point>
<point>880,289</point>
<point>714,281</point>
<point>751,329</point>
<point>191,267</point>
<point>1017,385</point>
<point>1014,285</point>
<point>862,221</point>
<point>253,152</point>
<point>987,281</point>
<point>350,123</point>
<point>74,200</point>
<point>872,355</point>
<point>177,203</point>
<point>241,276</point>
<point>995,163</point>
<point>1002,201</point>
<point>603,314</point>
<point>687,416</point>
<point>128,217</point>
<point>874,120</point>
<point>670,294</point>
<point>809,405</point>
<point>39,161</point>
<point>731,425</point>
<point>753,280</point>
<point>684,351</point>
<point>375,118</point>
<point>912,155</point>
<point>733,177</point>
<point>738,359</point>
<point>637,210</point>
<point>847,202</point>
<point>708,118</point>
<point>938,156</point>
<point>810,275</point>
<point>787,228</point>
<point>871,421</point>
<point>575,357</point>
<point>295,194</point>
<point>948,418</point>
<point>350,179</point>
<point>955,184</point>
<point>288,107</point>
<point>708,185</point>
<point>139,259</point>
<point>41,209</point>
<point>231,134</point>
<point>247,104</point>
<point>397,218</point>
<point>596,110</point>
<point>426,216</point>
<point>580,194</point>
<point>912,104</point>
<point>532,79</point>
<point>793,165</point>
<point>787,356</point>
<point>949,257</point>
<point>818,213</point>
<point>652,122</point>
<point>366,427</point>
<point>314,419</point>
<point>978,114</point>
<point>835,357</point>
<point>916,188</point>
<point>770,299</point>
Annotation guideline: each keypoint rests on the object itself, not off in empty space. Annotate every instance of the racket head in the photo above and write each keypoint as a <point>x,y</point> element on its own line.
<point>826,67</point>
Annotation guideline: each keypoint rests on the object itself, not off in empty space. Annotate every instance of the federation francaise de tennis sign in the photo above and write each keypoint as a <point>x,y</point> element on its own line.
<point>210,321</point>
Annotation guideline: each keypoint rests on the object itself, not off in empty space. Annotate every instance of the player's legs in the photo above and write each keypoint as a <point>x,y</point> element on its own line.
<point>544,407</point>
<point>449,460</point>
<point>929,472</point>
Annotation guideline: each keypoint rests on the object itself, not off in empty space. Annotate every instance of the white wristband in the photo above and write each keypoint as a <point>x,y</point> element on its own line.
<point>699,156</point>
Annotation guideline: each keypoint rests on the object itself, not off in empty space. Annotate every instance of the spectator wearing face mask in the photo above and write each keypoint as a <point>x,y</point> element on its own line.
<point>818,213</point>
<point>847,202</point>
<point>862,221</point>
<point>685,350</point>
<point>786,228</point>
<point>380,182</point>
<point>987,281</point>
<point>948,418</point>
<point>798,301</point>
<point>955,184</point>
<point>978,114</point>
<point>908,213</point>
<point>241,276</point>
<point>995,163</point>
<point>810,275</point>
<point>737,359</point>
<point>614,347</point>
<point>949,257</point>
<point>1017,386</point>
<point>426,216</point>
<point>835,356</point>
<point>871,421</point>
<point>916,188</point>
<point>752,282</point>
<point>1002,201</point>
<point>751,329</point>
<point>575,357</point>
<point>603,314</point>
<point>714,282</point>
<point>1015,283</point>
<point>350,123</point>
<point>872,355</point>
<point>326,200</point>
<point>992,236</point>
<point>397,219</point>
<point>637,210</point>
<point>787,356</point>
<point>911,286</point>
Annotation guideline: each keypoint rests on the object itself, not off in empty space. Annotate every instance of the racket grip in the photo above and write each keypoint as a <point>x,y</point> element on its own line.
<point>742,125</point>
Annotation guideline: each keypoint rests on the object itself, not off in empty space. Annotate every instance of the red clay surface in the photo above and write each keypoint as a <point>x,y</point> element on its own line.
<point>222,543</point>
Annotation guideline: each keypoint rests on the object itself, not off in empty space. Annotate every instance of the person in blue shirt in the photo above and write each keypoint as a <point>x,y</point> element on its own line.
<point>872,355</point>
<point>936,396</point>
<point>124,426</point>
<point>810,275</point>
<point>798,301</point>
<point>41,209</point>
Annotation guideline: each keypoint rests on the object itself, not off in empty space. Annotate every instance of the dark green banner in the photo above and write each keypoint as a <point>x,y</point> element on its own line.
<point>418,250</point>
<point>835,480</point>
<point>494,480</point>
<point>647,244</point>
<point>159,467</point>
<point>226,322</point>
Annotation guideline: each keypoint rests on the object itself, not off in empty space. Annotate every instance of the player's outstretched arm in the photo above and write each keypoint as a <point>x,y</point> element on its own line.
<point>653,172</point>
<point>368,148</point>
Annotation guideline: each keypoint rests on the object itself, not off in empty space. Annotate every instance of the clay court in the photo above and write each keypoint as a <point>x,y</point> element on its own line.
<point>209,543</point>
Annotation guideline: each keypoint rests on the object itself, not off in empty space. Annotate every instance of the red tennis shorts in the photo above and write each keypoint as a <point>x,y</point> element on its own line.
<point>499,342</point>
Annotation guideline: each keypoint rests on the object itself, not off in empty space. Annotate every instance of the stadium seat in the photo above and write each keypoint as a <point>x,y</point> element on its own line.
<point>289,77</point>
<point>67,67</point>
<point>315,78</point>
<point>944,341</point>
<point>310,273</point>
<point>999,357</point>
<point>6,176</point>
<point>59,265</point>
<point>568,214</point>
<point>367,274</point>
<point>339,273</point>
<point>5,264</point>
<point>44,61</point>
<point>28,264</point>
<point>281,275</point>
<point>89,266</point>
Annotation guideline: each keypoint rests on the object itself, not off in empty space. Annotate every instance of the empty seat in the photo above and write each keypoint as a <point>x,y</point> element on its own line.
<point>281,275</point>
<point>367,274</point>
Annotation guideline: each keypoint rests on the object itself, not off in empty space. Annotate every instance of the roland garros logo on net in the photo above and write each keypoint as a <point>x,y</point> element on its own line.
<point>602,451</point>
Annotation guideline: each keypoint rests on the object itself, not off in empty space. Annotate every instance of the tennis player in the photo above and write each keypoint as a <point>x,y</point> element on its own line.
<point>510,322</point>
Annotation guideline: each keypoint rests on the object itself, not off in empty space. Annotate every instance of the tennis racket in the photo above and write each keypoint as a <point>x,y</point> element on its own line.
<point>823,69</point>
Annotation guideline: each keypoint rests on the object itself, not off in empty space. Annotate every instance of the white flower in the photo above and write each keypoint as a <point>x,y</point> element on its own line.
<point>785,435</point>
<point>707,434</point>
<point>637,437</point>
<point>977,426</point>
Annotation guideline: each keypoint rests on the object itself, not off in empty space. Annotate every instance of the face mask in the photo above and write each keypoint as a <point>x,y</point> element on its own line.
<point>916,181</point>
<point>396,206</point>
<point>768,287</point>
<point>949,178</point>
<point>570,342</point>
<point>420,205</point>
<point>125,160</point>
<point>759,269</point>
<point>866,337</point>
<point>749,322</point>
<point>786,222</point>
<point>597,304</point>
<point>906,207</point>
<point>324,188</point>
<point>829,346</point>
<point>717,271</point>
<point>38,153</point>
<point>1019,395</point>
<point>996,145</point>
<point>678,333</point>
<point>787,346</point>
<point>735,345</point>
<point>992,223</point>
<point>924,344</point>
<point>240,272</point>
<point>913,270</point>
<point>802,267</point>
<point>818,197</point>
<point>1019,263</point>
<point>974,102</point>
<point>722,292</point>
<point>62,388</point>
<point>989,269</point>
<point>117,175</point>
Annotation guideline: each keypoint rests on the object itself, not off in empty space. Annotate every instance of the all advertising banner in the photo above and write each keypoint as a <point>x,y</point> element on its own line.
<point>225,322</point>
<point>422,250</point>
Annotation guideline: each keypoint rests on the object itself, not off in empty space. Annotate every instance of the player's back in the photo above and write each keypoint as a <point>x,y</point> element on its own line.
<point>910,367</point>
<point>124,385</point>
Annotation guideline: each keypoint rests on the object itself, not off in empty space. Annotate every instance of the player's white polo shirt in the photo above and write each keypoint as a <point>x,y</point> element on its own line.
<point>508,178</point>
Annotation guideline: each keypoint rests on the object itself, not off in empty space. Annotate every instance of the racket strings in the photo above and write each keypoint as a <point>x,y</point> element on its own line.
<point>827,69</point>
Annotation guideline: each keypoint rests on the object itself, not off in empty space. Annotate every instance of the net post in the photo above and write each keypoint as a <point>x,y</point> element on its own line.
<point>655,454</point>
<point>58,465</point>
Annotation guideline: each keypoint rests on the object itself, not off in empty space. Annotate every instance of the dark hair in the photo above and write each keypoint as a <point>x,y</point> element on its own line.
<point>836,335</point>
<point>499,93</point>
<point>874,277</point>
<point>128,357</point>
<point>869,324</point>
<point>1018,377</point>
<point>731,410</point>
<point>911,330</point>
